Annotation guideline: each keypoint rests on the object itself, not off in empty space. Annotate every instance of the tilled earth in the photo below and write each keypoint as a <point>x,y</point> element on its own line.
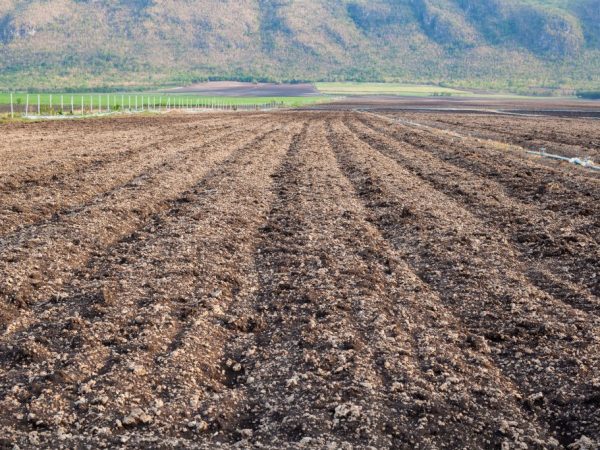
<point>563,136</point>
<point>326,280</point>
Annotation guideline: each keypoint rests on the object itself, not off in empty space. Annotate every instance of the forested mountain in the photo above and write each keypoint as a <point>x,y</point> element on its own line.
<point>478,43</point>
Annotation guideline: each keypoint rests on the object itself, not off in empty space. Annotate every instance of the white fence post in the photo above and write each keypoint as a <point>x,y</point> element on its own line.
<point>12,111</point>
<point>27,105</point>
<point>39,106</point>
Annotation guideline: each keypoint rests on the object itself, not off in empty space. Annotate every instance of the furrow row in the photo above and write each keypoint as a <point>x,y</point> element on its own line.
<point>36,264</point>
<point>549,243</point>
<point>149,334</point>
<point>35,203</point>
<point>529,333</point>
<point>340,353</point>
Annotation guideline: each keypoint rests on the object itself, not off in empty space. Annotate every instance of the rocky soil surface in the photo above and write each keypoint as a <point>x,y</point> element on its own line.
<point>319,280</point>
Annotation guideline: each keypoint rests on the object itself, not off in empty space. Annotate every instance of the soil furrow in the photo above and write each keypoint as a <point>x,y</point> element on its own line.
<point>152,338</point>
<point>549,244</point>
<point>476,278</point>
<point>566,136</point>
<point>338,353</point>
<point>36,265</point>
<point>67,196</point>
<point>573,189</point>
<point>93,156</point>
<point>66,145</point>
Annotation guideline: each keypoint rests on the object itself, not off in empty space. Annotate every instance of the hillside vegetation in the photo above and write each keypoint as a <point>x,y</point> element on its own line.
<point>478,43</point>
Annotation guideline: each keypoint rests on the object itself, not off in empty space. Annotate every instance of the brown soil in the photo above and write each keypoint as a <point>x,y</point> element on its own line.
<point>563,136</point>
<point>295,280</point>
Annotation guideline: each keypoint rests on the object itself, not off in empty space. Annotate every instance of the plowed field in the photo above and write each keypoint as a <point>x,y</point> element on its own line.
<point>326,280</point>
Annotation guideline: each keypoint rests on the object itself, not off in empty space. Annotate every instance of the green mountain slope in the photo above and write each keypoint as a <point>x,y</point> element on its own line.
<point>481,43</point>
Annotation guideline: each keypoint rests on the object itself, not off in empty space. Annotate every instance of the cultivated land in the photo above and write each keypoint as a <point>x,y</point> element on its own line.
<point>239,89</point>
<point>315,279</point>
<point>562,136</point>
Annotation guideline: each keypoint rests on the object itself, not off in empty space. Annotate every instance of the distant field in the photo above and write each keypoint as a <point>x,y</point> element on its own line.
<point>411,90</point>
<point>415,90</point>
<point>246,89</point>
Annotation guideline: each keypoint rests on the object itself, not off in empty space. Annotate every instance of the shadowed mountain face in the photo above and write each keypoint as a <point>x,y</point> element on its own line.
<point>144,41</point>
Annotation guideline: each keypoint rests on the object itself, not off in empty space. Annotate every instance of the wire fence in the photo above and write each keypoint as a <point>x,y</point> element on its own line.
<point>49,105</point>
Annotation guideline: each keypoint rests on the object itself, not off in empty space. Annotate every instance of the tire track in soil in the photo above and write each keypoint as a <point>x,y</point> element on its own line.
<point>143,350</point>
<point>34,265</point>
<point>547,349</point>
<point>573,190</point>
<point>550,250</point>
<point>32,205</point>
<point>339,354</point>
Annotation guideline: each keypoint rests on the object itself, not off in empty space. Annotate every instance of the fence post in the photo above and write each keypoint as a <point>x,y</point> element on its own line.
<point>82,106</point>
<point>62,104</point>
<point>27,105</point>
<point>12,111</point>
<point>39,106</point>
<point>72,105</point>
